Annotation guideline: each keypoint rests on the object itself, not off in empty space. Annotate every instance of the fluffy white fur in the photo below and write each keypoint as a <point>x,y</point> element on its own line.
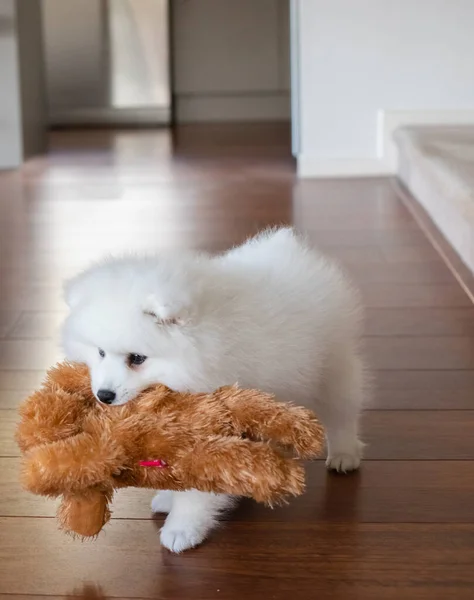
<point>271,314</point>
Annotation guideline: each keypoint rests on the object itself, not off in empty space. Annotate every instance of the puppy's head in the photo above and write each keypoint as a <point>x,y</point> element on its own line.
<point>129,321</point>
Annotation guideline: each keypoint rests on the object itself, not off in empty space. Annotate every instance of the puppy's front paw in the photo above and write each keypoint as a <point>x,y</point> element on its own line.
<point>343,463</point>
<point>178,538</point>
<point>162,502</point>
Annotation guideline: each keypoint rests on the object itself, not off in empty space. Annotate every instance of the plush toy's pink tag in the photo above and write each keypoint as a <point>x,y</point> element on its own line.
<point>161,464</point>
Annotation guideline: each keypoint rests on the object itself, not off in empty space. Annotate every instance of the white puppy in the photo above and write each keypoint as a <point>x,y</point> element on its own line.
<point>271,314</point>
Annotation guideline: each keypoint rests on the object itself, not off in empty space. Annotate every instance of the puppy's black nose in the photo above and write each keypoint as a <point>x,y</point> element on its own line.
<point>106,396</point>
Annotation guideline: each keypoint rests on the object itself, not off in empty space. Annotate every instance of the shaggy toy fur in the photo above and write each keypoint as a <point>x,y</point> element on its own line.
<point>82,450</point>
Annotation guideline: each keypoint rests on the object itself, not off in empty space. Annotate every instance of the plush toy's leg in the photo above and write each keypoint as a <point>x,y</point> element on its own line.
<point>71,465</point>
<point>261,417</point>
<point>241,468</point>
<point>84,514</point>
<point>48,416</point>
<point>56,411</point>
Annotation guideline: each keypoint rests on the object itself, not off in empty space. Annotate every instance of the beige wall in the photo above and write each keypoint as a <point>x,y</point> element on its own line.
<point>75,53</point>
<point>107,61</point>
<point>22,117</point>
<point>231,59</point>
<point>10,114</point>
<point>32,77</point>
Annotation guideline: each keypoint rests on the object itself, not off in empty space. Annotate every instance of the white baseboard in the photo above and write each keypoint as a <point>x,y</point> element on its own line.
<point>274,106</point>
<point>311,167</point>
<point>390,120</point>
<point>109,116</point>
<point>386,160</point>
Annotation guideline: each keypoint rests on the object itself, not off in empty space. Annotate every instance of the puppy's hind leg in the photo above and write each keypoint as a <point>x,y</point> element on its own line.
<point>342,397</point>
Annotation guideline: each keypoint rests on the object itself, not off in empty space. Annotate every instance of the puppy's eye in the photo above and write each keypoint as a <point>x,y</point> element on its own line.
<point>101,353</point>
<point>136,359</point>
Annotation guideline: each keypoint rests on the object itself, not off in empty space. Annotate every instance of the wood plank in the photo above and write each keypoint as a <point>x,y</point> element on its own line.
<point>419,322</point>
<point>447,390</point>
<point>409,254</point>
<point>439,399</point>
<point>425,592</point>
<point>428,273</point>
<point>357,255</point>
<point>398,353</point>
<point>8,421</point>
<point>382,492</point>
<point>31,355</point>
<point>20,379</point>
<point>34,297</point>
<point>398,238</point>
<point>86,592</point>
<point>425,380</point>
<point>8,318</point>
<point>243,560</point>
<point>389,295</point>
<point>391,435</point>
<point>356,222</point>
<point>42,325</point>
<point>12,398</point>
<point>418,435</point>
<point>15,502</point>
<point>401,528</point>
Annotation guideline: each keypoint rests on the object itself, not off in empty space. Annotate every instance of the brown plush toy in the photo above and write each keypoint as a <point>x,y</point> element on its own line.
<point>232,441</point>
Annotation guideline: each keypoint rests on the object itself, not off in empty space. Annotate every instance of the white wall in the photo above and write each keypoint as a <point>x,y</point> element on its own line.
<point>32,77</point>
<point>107,61</point>
<point>231,59</point>
<point>139,53</point>
<point>22,115</point>
<point>10,114</point>
<point>75,53</point>
<point>362,59</point>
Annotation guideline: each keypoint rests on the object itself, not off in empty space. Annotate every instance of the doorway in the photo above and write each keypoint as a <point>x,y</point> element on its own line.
<point>160,61</point>
<point>107,62</point>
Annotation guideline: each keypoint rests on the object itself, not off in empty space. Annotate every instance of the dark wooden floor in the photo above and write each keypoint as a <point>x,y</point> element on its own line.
<point>401,528</point>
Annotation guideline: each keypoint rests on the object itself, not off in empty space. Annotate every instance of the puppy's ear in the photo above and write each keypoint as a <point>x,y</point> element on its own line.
<point>75,291</point>
<point>166,313</point>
